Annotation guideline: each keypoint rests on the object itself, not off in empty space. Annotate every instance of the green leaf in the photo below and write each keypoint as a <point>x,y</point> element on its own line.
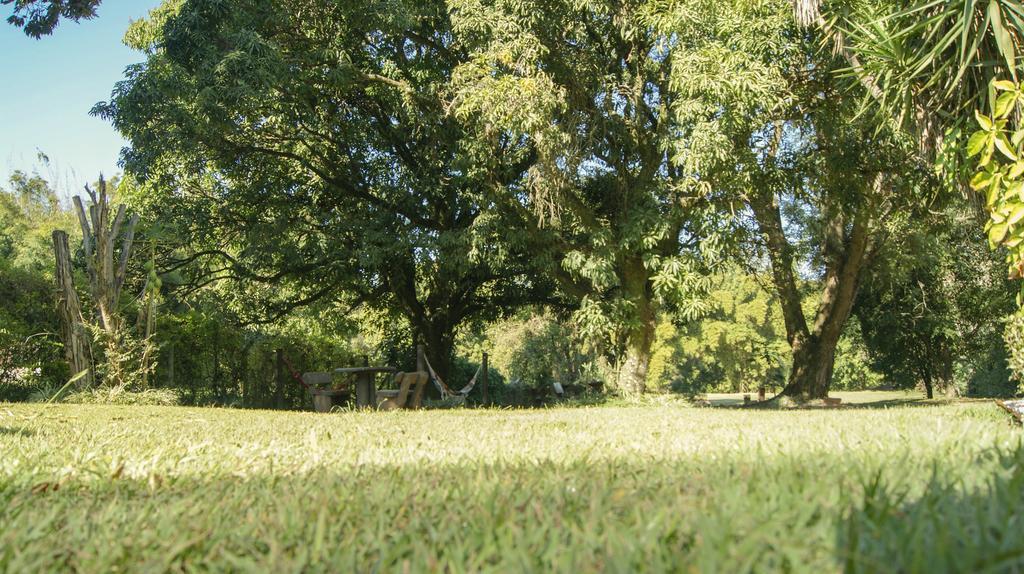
<point>1004,41</point>
<point>1005,103</point>
<point>983,121</point>
<point>976,143</point>
<point>1004,85</point>
<point>993,189</point>
<point>1013,191</point>
<point>1016,214</point>
<point>1004,146</point>
<point>986,155</point>
<point>996,234</point>
<point>981,180</point>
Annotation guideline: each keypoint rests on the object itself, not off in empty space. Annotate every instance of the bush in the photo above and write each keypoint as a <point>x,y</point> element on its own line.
<point>120,396</point>
<point>1014,337</point>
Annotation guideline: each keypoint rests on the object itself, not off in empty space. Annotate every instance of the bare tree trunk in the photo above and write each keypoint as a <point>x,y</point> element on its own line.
<point>73,332</point>
<point>99,235</point>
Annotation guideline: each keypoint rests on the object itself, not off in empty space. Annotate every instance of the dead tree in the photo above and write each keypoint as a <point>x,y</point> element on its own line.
<point>73,331</point>
<point>106,276</point>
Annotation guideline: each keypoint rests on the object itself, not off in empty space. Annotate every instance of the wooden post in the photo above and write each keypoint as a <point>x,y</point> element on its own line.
<point>421,358</point>
<point>483,382</point>
<point>218,394</point>
<point>761,394</point>
<point>170,366</point>
<point>279,390</point>
<point>76,342</point>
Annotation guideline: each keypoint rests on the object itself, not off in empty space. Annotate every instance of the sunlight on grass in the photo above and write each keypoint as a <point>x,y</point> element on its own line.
<point>614,488</point>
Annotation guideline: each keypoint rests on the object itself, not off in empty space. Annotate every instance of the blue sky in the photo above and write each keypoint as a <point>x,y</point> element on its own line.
<point>48,86</point>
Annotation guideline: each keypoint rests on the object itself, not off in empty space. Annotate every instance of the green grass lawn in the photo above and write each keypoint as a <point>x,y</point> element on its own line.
<point>921,487</point>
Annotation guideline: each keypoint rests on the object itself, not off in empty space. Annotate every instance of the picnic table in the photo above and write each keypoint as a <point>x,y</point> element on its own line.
<point>366,386</point>
<point>366,383</point>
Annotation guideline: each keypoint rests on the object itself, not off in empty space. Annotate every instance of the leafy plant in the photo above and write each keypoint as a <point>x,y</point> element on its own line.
<point>1000,166</point>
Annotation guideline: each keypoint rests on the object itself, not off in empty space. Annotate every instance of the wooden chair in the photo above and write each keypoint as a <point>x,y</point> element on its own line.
<point>408,395</point>
<point>325,398</point>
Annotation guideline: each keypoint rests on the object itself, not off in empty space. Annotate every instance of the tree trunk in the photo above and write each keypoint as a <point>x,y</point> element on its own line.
<point>929,390</point>
<point>945,372</point>
<point>639,339</point>
<point>99,236</point>
<point>813,361</point>
<point>440,342</point>
<point>814,347</point>
<point>633,371</point>
<point>73,332</point>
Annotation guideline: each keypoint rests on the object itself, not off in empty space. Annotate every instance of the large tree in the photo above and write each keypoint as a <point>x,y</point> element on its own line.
<point>930,66</point>
<point>589,86</point>
<point>308,149</point>
<point>816,180</point>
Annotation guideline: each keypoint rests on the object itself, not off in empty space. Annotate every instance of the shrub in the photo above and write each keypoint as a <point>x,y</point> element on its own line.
<point>1014,337</point>
<point>121,396</point>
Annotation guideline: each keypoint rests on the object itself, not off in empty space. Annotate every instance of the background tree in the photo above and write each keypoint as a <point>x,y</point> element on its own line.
<point>739,345</point>
<point>931,312</point>
<point>30,350</point>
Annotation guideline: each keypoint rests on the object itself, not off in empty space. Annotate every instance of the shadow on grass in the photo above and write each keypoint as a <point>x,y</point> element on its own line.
<point>946,527</point>
<point>16,431</point>
<point>774,404</point>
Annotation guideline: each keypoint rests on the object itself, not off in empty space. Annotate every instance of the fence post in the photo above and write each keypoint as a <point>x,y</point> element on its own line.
<point>279,391</point>
<point>170,366</point>
<point>483,382</point>
<point>421,357</point>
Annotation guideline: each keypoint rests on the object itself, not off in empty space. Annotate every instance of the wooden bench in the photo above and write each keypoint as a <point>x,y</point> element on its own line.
<point>408,395</point>
<point>324,399</point>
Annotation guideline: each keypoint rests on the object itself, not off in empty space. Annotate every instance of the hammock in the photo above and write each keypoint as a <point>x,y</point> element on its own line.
<point>446,392</point>
<point>295,374</point>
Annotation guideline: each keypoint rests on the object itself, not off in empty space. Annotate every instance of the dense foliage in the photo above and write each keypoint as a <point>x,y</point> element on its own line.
<point>628,196</point>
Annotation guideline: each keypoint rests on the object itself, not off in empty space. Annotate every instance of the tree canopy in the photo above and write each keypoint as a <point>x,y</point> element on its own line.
<point>594,171</point>
<point>308,147</point>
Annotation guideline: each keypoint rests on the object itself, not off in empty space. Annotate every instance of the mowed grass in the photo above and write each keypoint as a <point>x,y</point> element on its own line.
<point>931,487</point>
